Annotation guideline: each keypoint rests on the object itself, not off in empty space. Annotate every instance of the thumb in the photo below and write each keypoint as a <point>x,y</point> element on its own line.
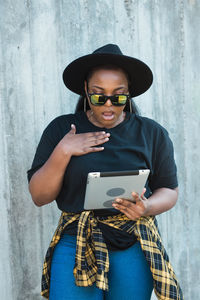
<point>137,197</point>
<point>143,192</point>
<point>73,129</point>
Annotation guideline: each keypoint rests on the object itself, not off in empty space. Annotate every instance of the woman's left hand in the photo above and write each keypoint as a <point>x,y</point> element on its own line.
<point>133,210</point>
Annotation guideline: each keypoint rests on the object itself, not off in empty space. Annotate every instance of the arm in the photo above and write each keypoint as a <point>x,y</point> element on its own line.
<point>160,201</point>
<point>46,183</point>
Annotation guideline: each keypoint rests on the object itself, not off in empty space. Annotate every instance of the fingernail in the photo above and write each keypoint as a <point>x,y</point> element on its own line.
<point>118,200</point>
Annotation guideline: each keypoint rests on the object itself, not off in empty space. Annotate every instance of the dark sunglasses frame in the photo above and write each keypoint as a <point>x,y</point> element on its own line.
<point>113,99</point>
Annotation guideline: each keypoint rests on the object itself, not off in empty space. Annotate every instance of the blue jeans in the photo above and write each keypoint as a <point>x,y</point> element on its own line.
<point>129,276</point>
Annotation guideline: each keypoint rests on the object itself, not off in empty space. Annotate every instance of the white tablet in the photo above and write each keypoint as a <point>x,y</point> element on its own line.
<point>104,187</point>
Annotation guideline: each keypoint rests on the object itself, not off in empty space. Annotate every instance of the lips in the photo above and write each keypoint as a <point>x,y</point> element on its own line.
<point>108,115</point>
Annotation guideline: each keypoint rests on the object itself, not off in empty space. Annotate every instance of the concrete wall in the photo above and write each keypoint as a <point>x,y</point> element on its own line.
<point>38,39</point>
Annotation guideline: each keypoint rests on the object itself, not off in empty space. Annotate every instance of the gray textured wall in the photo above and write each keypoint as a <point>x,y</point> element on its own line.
<point>38,39</point>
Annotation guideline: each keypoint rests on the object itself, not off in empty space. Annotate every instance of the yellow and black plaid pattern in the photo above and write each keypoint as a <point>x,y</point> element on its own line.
<point>92,261</point>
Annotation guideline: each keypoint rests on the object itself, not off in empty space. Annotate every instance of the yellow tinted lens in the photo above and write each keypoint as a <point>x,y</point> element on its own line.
<point>122,99</point>
<point>96,99</point>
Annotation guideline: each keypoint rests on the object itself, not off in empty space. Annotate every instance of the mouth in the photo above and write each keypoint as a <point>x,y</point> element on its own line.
<point>108,115</point>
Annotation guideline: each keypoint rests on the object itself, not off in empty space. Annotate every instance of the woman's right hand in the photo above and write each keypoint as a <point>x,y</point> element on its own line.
<point>82,143</point>
<point>46,183</point>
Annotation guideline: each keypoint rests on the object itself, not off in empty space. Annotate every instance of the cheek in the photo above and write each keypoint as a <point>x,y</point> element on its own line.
<point>119,110</point>
<point>97,110</point>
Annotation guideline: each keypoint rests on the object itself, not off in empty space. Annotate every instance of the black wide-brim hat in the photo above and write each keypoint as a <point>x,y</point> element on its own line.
<point>140,75</point>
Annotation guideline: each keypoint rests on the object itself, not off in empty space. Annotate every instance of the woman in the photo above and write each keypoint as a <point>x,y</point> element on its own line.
<point>119,249</point>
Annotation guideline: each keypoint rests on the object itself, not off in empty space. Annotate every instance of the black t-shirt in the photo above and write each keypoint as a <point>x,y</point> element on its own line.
<point>136,143</point>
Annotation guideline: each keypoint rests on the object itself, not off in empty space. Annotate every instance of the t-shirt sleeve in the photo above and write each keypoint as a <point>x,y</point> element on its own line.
<point>164,167</point>
<point>49,140</point>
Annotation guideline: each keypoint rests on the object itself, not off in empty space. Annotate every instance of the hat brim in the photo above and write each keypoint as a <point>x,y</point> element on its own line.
<point>139,73</point>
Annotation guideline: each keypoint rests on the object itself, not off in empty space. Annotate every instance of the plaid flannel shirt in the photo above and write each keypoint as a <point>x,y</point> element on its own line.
<point>92,260</point>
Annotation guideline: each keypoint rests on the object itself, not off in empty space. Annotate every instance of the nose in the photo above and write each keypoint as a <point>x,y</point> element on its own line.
<point>108,102</point>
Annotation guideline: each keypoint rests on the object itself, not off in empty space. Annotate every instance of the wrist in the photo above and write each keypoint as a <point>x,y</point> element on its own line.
<point>147,205</point>
<point>64,150</point>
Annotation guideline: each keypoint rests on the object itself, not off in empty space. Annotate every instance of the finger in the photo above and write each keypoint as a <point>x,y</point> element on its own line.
<point>129,213</point>
<point>73,129</point>
<point>94,140</point>
<point>124,205</point>
<point>93,149</point>
<point>99,136</point>
<point>124,202</point>
<point>99,141</point>
<point>131,216</point>
<point>127,205</point>
<point>136,196</point>
<point>95,134</point>
<point>143,192</point>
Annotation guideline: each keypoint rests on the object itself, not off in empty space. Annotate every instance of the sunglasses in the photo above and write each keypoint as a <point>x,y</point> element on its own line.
<point>100,99</point>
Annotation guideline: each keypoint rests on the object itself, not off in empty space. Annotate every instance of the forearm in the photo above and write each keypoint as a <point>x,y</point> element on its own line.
<point>161,200</point>
<point>46,183</point>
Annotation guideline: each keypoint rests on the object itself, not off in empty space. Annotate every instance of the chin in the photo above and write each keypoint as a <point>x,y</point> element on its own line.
<point>108,124</point>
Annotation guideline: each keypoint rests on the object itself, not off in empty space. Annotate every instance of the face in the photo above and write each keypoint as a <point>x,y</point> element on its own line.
<point>109,83</point>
